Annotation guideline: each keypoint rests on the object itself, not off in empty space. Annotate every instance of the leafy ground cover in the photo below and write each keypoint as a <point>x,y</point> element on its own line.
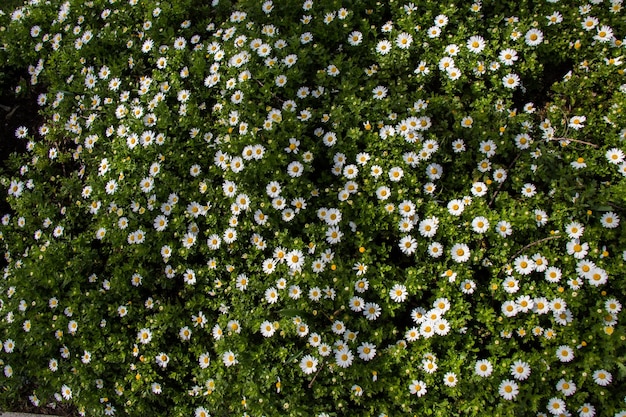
<point>314,208</point>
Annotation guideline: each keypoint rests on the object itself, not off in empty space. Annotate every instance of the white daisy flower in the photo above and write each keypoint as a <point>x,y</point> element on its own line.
<point>460,252</point>
<point>508,389</point>
<point>602,377</point>
<point>417,388</point>
<point>308,364</point>
<point>533,37</point>
<point>398,293</point>
<point>565,353</point>
<point>383,47</point>
<point>609,220</point>
<point>483,368</point>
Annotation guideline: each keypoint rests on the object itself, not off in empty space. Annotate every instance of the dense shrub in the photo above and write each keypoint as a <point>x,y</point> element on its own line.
<point>319,208</point>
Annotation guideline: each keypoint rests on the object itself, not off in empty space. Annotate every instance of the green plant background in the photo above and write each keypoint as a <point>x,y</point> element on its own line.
<point>62,183</point>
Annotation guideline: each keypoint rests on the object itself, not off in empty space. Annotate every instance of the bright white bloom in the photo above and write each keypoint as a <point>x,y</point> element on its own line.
<point>456,207</point>
<point>565,353</point>
<point>508,56</point>
<point>520,370</point>
<point>504,228</point>
<point>355,38</point>
<point>383,47</point>
<point>435,249</point>
<point>361,285</point>
<point>412,334</point>
<point>577,249</point>
<point>357,304</point>
<point>189,277</point>
<point>533,37</point>
<point>508,389</point>
<point>398,293</point>
<point>566,387</point>
<point>371,311</point>
<point>333,235</point>
<point>295,260</point>
<point>230,235</point>
<point>587,410</point>
<point>574,230</point>
<point>577,122</point>
<point>511,80</point>
<point>366,351</point>
<point>396,174</point>
<point>315,294</point>
<point>442,326</point>
<point>162,359</point>
<point>480,224</point>
<point>441,20</point>
<point>428,227</point>
<point>417,387</point>
<point>553,274</point>
<point>295,169</point>
<point>9,346</point>
<point>201,412</point>
<point>613,306</point>
<point>524,303</point>
<point>524,265</point>
<point>483,368</point>
<point>344,358</point>
<point>229,358</point>
<point>615,156</point>
<point>267,329</point>
<point>380,92</point>
<point>509,308</point>
<point>360,268</point>
<point>476,44</point>
<point>556,406</point>
<point>408,245</point>
<point>308,364</point>
<point>271,295</point>
<point>450,379</point>
<point>404,40</point>
<point>479,189</point>
<point>529,190</point>
<point>604,34</point>
<point>383,192</point>
<point>460,252</point>
<point>66,392</point>
<point>602,377</point>
<point>610,220</point>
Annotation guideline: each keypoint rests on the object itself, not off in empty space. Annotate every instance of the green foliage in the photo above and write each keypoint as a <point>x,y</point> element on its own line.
<point>275,209</point>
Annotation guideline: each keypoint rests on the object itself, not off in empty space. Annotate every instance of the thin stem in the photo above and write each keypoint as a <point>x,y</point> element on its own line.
<point>577,141</point>
<point>315,376</point>
<point>495,194</point>
<point>537,242</point>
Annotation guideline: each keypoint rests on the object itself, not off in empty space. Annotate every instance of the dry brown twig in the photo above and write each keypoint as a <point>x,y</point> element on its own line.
<point>576,140</point>
<point>536,242</point>
<point>315,376</point>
